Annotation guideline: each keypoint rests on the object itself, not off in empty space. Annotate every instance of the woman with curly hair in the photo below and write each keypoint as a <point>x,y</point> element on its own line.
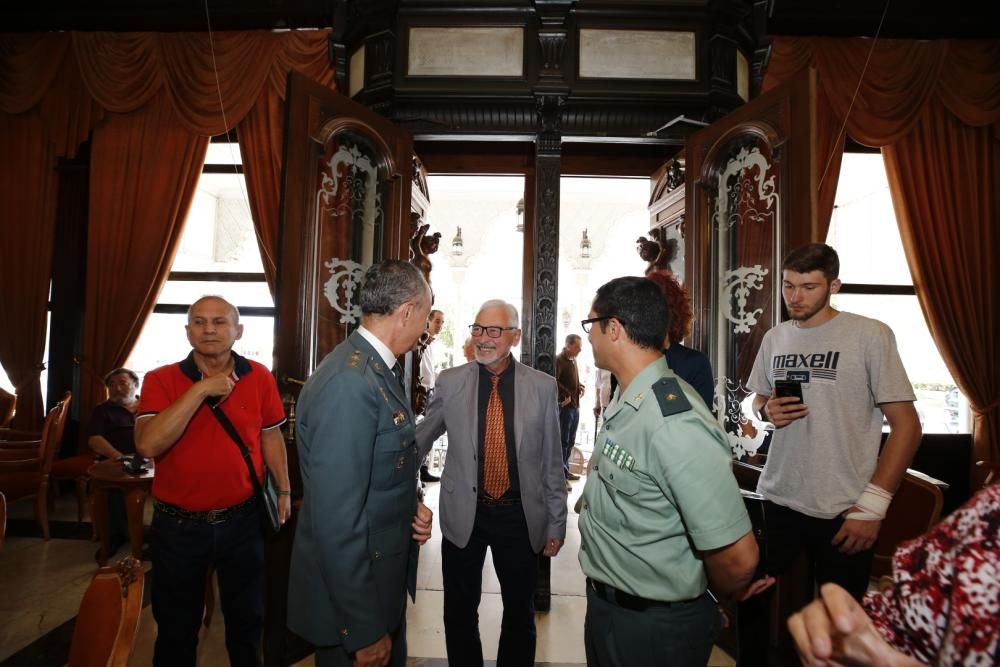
<point>691,365</point>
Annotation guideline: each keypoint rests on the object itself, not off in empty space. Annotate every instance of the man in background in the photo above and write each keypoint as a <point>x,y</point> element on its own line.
<point>570,391</point>
<point>111,435</point>
<point>435,321</point>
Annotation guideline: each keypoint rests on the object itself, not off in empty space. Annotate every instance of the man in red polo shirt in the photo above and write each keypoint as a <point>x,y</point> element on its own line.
<point>205,510</point>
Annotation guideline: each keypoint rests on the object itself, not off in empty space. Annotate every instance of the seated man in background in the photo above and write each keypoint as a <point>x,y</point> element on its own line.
<point>111,435</point>
<point>112,423</point>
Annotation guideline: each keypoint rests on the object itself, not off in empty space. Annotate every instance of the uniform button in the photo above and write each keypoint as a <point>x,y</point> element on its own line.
<point>473,489</point>
<point>586,506</point>
<point>378,554</point>
<point>595,467</point>
<point>611,476</point>
<point>343,632</point>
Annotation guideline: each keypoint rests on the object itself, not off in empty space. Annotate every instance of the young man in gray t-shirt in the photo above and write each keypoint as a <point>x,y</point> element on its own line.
<point>825,486</point>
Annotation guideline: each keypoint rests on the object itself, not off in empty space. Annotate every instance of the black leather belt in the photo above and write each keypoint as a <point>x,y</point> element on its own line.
<point>627,600</point>
<point>502,502</point>
<point>211,516</point>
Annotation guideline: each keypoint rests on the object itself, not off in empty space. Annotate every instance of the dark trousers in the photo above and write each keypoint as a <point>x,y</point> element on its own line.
<point>505,532</point>
<point>183,550</point>
<point>336,656</point>
<point>680,635</point>
<point>788,534</point>
<point>569,421</point>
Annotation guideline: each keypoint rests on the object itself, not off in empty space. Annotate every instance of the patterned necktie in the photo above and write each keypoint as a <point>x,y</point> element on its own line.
<point>397,370</point>
<point>496,477</point>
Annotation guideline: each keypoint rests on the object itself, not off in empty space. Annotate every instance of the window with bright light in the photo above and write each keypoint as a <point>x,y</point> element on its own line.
<point>217,255</point>
<point>877,284</point>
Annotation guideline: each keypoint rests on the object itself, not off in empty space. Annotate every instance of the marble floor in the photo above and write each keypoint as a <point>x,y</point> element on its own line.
<point>42,583</point>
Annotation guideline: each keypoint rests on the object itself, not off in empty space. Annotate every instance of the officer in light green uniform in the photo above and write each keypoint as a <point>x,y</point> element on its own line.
<point>660,494</point>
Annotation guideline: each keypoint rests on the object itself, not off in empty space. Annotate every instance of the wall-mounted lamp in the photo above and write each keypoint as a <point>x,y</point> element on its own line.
<point>585,246</point>
<point>457,245</point>
<point>520,214</point>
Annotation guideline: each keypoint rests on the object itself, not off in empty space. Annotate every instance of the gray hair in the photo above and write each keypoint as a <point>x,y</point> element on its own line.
<point>515,321</point>
<point>232,308</point>
<point>572,338</point>
<point>389,284</point>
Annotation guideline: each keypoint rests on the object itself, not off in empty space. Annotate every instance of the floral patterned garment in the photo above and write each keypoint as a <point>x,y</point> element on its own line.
<point>944,605</point>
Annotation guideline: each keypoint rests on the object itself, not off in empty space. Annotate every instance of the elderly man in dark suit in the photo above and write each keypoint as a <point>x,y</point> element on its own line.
<point>502,485</point>
<point>353,559</point>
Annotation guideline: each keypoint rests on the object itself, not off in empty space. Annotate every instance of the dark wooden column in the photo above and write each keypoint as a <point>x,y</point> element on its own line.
<point>545,252</point>
<point>69,278</point>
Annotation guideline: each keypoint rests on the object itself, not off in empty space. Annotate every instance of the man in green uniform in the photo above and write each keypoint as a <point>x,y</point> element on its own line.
<point>662,517</point>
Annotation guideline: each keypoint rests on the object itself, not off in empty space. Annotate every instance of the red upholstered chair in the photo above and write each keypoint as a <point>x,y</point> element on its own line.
<point>108,621</point>
<point>25,474</point>
<point>914,509</point>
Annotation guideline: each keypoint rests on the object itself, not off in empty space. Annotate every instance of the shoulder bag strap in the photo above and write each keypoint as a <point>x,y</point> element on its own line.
<point>231,430</point>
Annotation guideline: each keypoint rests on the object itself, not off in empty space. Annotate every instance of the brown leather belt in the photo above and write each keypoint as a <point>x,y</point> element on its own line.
<point>629,601</point>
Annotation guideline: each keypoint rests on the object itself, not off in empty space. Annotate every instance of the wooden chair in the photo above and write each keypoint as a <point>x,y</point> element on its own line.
<point>914,509</point>
<point>3,518</point>
<point>108,621</point>
<point>25,474</point>
<point>8,402</point>
<point>74,468</point>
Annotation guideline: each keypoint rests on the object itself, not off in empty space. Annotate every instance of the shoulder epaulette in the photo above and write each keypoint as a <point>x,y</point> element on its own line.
<point>358,360</point>
<point>670,396</point>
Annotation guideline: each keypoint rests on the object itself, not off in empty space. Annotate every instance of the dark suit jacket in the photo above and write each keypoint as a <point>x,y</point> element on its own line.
<point>353,558</point>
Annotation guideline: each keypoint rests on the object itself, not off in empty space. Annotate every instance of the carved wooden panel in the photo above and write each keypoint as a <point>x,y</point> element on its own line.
<point>751,183</point>
<point>345,204</point>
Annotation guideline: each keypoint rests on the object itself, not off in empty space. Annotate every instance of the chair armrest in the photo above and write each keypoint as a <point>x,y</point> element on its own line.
<point>19,434</point>
<point>20,444</point>
<point>19,465</point>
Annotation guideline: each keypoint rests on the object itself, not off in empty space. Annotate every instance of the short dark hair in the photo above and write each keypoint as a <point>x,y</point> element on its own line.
<point>678,303</point>
<point>121,371</point>
<point>640,307</point>
<point>572,338</point>
<point>434,312</point>
<point>389,284</point>
<point>813,257</point>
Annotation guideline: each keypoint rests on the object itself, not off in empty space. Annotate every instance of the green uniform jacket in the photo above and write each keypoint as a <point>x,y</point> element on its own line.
<point>660,492</point>
<point>353,559</point>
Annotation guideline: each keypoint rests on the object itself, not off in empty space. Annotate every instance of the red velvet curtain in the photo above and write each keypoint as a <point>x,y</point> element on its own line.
<point>934,108</point>
<point>144,169</point>
<point>28,186</point>
<point>166,84</point>
<point>949,219</point>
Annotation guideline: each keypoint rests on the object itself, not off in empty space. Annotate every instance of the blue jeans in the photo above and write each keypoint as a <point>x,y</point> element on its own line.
<point>183,550</point>
<point>681,635</point>
<point>569,421</point>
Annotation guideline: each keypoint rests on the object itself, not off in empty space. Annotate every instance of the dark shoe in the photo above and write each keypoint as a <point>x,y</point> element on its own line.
<point>426,476</point>
<point>570,476</point>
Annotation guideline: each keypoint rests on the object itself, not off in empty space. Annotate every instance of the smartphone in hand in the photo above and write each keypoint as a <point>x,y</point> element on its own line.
<point>783,388</point>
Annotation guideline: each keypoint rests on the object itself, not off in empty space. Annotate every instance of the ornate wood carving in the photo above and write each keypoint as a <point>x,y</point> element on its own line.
<point>548,152</point>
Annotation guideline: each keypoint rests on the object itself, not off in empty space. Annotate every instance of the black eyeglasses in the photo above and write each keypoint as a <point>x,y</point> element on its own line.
<point>492,332</point>
<point>587,323</point>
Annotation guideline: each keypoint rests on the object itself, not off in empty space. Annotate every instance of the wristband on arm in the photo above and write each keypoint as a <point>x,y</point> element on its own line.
<point>872,505</point>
